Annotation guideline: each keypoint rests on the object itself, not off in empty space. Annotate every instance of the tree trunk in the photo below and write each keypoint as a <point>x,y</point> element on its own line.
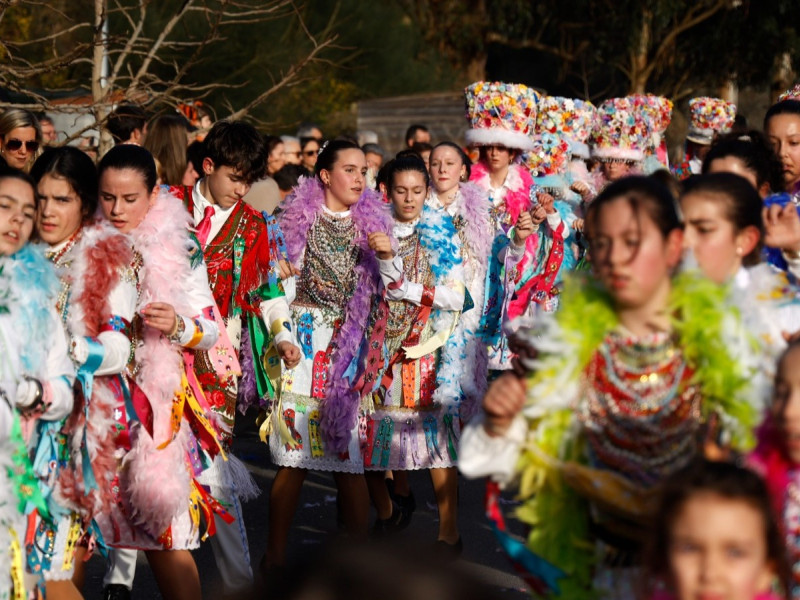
<point>100,91</point>
<point>784,76</point>
<point>476,68</point>
<point>729,91</point>
<point>639,74</point>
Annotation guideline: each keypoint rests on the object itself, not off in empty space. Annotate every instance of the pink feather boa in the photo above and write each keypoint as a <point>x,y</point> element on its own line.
<point>100,257</point>
<point>517,199</point>
<point>339,410</point>
<point>519,183</point>
<point>156,482</point>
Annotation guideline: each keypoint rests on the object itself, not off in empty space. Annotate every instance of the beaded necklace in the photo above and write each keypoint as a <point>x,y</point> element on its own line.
<point>328,275</point>
<point>639,411</point>
<point>416,269</point>
<point>62,259</point>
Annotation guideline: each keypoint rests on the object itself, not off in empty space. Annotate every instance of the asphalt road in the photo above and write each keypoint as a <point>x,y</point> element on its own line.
<point>315,525</point>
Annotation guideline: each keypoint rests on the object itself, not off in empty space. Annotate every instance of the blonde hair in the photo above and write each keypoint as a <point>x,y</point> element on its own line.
<point>13,118</point>
<point>167,141</point>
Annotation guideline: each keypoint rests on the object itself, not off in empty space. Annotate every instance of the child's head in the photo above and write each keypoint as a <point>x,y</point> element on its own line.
<point>635,239</point>
<point>715,535</point>
<point>236,157</point>
<point>723,223</point>
<point>786,402</point>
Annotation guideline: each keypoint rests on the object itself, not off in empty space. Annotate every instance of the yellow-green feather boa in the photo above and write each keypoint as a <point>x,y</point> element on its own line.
<point>708,330</point>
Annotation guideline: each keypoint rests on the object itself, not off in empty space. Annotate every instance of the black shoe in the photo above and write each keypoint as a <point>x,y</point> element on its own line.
<point>116,591</point>
<point>449,551</point>
<point>407,505</point>
<point>386,527</point>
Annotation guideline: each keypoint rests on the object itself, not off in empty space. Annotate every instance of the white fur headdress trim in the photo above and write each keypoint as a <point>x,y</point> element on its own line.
<point>495,135</point>
<point>617,153</point>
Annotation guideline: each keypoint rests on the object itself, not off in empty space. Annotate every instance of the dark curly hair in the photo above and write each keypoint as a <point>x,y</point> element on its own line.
<point>238,145</point>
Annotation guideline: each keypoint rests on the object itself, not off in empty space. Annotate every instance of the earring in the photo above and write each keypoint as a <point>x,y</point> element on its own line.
<point>738,251</point>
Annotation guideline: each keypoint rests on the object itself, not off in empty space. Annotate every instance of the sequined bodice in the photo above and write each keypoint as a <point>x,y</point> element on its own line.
<point>328,277</point>
<point>639,411</point>
<point>416,269</point>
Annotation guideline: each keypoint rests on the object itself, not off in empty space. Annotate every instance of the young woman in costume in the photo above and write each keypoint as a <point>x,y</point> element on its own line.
<point>416,423</point>
<point>36,376</point>
<point>751,156</point>
<point>619,139</point>
<point>508,185</point>
<point>164,439</point>
<point>96,305</point>
<point>724,231</point>
<point>337,235</point>
<point>782,127</point>
<point>467,205</point>
<point>632,373</point>
<point>748,155</point>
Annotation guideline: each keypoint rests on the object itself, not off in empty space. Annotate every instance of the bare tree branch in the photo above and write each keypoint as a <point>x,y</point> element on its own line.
<point>132,40</point>
<point>157,46</point>
<point>690,19</point>
<point>46,38</point>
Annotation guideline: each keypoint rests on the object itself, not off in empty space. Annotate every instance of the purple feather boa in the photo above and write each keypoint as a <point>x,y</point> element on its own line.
<point>480,231</point>
<point>248,388</point>
<point>339,410</point>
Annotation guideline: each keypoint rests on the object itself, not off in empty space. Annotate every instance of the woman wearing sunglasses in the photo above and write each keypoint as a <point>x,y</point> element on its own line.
<point>309,149</point>
<point>20,138</point>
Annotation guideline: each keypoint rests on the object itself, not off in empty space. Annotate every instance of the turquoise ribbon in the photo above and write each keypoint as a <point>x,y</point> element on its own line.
<point>86,379</point>
<point>46,456</point>
<point>87,370</point>
<point>521,555</point>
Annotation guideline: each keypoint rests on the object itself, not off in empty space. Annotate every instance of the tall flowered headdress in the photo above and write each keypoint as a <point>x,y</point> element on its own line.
<point>657,114</point>
<point>569,118</point>
<point>792,94</point>
<point>709,117</point>
<point>501,113</point>
<point>620,131</point>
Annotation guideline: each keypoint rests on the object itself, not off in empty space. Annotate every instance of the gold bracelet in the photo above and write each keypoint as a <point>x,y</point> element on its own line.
<point>178,330</point>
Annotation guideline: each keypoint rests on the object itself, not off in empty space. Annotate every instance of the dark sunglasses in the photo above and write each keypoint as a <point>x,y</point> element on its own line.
<point>310,152</point>
<point>14,145</point>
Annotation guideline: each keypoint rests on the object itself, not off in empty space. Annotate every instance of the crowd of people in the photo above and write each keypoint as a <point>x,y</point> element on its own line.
<point>552,307</point>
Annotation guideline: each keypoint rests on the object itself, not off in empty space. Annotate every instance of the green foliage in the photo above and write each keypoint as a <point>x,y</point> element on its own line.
<point>612,47</point>
<point>379,53</point>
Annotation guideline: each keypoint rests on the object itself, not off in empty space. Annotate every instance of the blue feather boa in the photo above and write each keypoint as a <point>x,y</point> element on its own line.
<point>438,235</point>
<point>29,287</point>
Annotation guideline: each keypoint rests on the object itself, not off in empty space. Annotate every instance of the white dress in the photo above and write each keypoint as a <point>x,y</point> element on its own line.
<point>317,305</point>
